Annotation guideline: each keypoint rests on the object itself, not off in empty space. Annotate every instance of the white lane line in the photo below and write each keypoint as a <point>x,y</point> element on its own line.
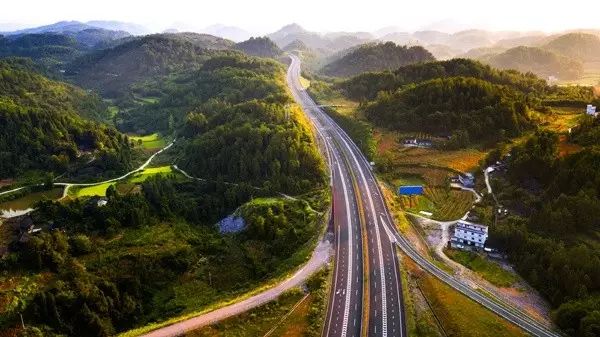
<point>378,237</point>
<point>350,257</point>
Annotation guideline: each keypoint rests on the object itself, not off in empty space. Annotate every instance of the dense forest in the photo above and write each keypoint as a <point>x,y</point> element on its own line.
<point>41,124</point>
<point>464,100</point>
<point>239,124</point>
<point>468,109</point>
<point>113,70</point>
<point>553,239</point>
<point>259,46</point>
<point>376,57</point>
<point>133,261</point>
<point>541,62</point>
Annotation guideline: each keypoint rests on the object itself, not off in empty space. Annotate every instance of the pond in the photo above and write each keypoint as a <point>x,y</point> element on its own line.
<point>25,202</point>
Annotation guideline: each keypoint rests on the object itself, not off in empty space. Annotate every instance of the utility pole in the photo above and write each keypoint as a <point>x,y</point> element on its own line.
<point>22,322</point>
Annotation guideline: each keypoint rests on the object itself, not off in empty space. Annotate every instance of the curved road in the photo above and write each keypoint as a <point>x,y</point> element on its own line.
<point>370,188</point>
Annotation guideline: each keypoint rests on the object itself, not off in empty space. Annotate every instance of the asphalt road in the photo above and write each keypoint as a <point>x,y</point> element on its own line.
<point>357,211</point>
<point>385,311</point>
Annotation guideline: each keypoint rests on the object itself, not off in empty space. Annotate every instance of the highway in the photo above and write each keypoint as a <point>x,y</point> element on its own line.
<point>385,313</point>
<point>355,309</point>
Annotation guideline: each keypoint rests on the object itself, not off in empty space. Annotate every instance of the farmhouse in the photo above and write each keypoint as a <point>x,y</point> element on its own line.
<point>467,180</point>
<point>591,110</point>
<point>469,235</point>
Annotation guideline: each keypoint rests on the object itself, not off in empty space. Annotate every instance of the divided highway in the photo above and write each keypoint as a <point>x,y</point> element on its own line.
<point>355,191</point>
<point>357,214</point>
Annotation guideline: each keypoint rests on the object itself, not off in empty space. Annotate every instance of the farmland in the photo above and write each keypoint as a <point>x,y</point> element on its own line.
<point>29,199</point>
<point>150,142</point>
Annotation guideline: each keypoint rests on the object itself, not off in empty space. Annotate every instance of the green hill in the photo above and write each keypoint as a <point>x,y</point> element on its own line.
<point>376,57</point>
<point>259,46</point>
<point>467,108</point>
<point>49,49</point>
<point>113,70</point>
<point>581,46</point>
<point>367,86</point>
<point>42,127</point>
<point>541,62</point>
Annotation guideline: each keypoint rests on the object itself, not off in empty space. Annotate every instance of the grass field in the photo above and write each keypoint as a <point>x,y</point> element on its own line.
<point>489,270</point>
<point>152,141</point>
<point>457,314</point>
<point>140,177</point>
<point>28,200</point>
<point>305,83</point>
<point>88,191</point>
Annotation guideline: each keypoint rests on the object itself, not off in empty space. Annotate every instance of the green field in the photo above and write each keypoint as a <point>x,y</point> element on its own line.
<point>88,191</point>
<point>28,200</point>
<point>152,141</point>
<point>487,269</point>
<point>140,177</point>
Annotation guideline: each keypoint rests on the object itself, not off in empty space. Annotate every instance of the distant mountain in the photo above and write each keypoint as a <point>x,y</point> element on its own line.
<point>113,70</point>
<point>58,27</point>
<point>76,26</point>
<point>324,44</point>
<point>296,45</point>
<point>95,37</point>
<point>42,126</point>
<point>581,46</point>
<point>477,53</point>
<point>48,49</point>
<point>541,62</point>
<point>227,32</point>
<point>442,51</point>
<point>376,57</point>
<point>259,46</point>
<point>131,28</point>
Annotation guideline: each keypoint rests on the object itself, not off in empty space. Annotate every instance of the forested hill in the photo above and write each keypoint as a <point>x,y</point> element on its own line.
<point>581,46</point>
<point>41,126</point>
<point>111,71</point>
<point>239,125</point>
<point>259,46</point>
<point>553,235</point>
<point>466,108</point>
<point>541,62</point>
<point>366,86</point>
<point>463,99</point>
<point>50,50</point>
<point>376,57</point>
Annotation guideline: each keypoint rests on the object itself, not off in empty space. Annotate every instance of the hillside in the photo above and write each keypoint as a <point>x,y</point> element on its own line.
<point>367,86</point>
<point>42,127</point>
<point>376,57</point>
<point>581,46</point>
<point>259,46</point>
<point>50,50</point>
<point>113,70</point>
<point>469,109</point>
<point>554,207</point>
<point>541,62</point>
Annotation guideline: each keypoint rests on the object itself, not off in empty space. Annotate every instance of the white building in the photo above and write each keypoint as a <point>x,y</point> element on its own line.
<point>591,110</point>
<point>467,235</point>
<point>467,179</point>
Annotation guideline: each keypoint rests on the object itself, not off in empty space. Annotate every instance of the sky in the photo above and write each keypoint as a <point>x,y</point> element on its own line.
<point>263,16</point>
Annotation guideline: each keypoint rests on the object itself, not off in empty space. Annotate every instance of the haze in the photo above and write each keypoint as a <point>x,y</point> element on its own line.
<point>260,17</point>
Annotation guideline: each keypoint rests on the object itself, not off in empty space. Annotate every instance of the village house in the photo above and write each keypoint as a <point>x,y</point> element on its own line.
<point>469,236</point>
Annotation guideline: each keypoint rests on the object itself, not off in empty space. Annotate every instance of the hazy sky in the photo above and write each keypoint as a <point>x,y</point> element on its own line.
<point>260,16</point>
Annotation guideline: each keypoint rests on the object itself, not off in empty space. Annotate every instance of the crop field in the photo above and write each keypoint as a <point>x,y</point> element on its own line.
<point>28,200</point>
<point>153,141</point>
<point>562,119</point>
<point>444,203</point>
